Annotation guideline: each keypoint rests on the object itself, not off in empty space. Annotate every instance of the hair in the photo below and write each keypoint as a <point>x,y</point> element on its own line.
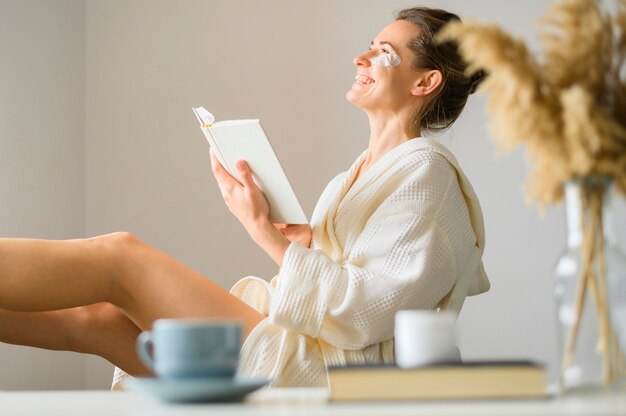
<point>446,103</point>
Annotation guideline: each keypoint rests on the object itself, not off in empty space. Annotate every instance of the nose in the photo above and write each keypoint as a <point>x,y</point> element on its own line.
<point>363,59</point>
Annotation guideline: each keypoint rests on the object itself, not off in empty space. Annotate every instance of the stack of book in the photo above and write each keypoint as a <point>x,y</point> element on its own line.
<point>471,380</point>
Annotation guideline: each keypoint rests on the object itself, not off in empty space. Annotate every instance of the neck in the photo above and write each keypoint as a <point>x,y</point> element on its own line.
<point>386,132</point>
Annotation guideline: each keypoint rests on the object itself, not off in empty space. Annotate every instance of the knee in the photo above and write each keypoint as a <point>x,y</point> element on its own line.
<point>85,321</point>
<point>92,325</point>
<point>120,255</point>
<point>119,239</point>
<point>118,246</point>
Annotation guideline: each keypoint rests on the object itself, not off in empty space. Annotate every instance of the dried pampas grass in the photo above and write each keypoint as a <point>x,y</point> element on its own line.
<point>568,104</point>
<point>568,107</point>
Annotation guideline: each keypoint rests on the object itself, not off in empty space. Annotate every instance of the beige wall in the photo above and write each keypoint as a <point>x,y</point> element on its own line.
<point>41,154</point>
<point>147,62</point>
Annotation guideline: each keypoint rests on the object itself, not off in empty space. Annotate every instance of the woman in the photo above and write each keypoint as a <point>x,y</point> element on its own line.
<point>400,229</point>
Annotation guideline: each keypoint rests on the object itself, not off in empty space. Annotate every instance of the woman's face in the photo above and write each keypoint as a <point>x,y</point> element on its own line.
<point>381,83</point>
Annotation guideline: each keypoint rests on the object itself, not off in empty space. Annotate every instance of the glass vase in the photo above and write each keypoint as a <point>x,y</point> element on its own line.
<point>590,291</point>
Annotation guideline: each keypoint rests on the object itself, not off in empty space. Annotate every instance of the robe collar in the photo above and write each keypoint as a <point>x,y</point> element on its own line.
<point>387,165</point>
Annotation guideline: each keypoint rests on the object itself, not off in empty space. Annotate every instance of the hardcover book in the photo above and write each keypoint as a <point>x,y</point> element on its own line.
<point>472,380</point>
<point>233,140</point>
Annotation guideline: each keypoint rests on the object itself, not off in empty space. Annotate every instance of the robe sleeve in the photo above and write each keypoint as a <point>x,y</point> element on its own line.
<point>401,261</point>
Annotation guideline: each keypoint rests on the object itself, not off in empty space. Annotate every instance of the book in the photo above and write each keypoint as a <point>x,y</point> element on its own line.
<point>233,140</point>
<point>471,380</point>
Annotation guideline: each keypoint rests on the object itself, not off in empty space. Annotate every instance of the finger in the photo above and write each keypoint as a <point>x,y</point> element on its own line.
<point>245,174</point>
<point>220,173</point>
<point>216,166</point>
<point>224,179</point>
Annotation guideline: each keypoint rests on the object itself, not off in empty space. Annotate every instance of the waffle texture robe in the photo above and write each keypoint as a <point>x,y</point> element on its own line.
<point>407,234</point>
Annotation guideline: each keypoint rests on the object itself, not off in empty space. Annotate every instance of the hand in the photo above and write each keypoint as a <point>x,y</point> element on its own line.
<point>244,200</point>
<point>300,233</point>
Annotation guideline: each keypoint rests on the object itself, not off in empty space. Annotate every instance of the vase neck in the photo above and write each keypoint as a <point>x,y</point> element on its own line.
<point>577,210</point>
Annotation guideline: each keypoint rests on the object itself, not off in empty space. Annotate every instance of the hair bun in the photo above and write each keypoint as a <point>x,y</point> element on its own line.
<point>475,80</point>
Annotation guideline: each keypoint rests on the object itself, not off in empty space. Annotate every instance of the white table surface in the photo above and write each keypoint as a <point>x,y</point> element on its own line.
<point>294,402</point>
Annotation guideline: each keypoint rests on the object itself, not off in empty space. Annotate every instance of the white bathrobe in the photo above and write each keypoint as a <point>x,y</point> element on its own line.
<point>408,234</point>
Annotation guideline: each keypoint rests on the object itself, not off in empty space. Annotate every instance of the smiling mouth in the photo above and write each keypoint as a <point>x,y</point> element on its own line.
<point>362,79</point>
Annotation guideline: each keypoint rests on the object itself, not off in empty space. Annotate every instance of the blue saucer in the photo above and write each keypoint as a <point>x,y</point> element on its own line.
<point>198,390</point>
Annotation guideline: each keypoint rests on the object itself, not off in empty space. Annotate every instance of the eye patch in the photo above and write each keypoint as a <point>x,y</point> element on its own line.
<point>386,60</point>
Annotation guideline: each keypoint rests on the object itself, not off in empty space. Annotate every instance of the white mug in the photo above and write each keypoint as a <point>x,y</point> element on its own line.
<point>424,337</point>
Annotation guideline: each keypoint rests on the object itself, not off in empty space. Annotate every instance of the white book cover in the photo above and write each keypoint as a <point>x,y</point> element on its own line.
<point>233,140</point>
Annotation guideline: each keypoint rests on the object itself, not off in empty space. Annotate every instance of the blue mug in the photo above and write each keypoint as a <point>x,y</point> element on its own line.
<point>191,348</point>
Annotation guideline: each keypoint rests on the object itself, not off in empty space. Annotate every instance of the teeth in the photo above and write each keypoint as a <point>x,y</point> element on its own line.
<point>363,79</point>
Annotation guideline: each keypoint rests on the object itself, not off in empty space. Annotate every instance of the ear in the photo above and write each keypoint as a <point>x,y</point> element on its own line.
<point>427,82</point>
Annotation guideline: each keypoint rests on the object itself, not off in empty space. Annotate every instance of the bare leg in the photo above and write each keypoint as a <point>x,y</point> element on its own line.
<point>100,329</point>
<point>39,275</point>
